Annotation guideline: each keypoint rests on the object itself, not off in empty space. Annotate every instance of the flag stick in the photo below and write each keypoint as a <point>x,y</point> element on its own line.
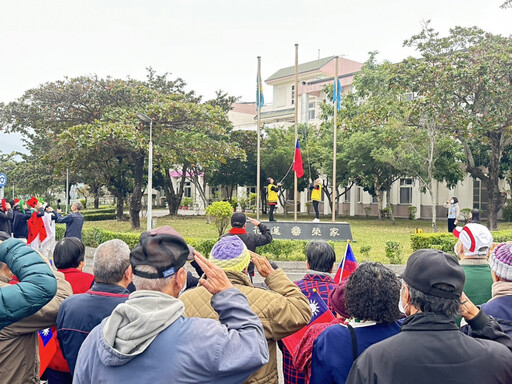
<point>343,261</point>
<point>258,166</point>
<point>334,189</point>
<point>295,184</point>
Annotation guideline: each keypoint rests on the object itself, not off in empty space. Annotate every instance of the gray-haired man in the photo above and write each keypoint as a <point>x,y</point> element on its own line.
<point>79,314</point>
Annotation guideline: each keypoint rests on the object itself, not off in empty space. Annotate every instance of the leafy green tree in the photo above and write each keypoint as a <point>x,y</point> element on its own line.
<point>465,79</point>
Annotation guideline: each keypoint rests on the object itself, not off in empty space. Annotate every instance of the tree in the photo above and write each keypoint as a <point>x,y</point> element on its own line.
<point>466,80</point>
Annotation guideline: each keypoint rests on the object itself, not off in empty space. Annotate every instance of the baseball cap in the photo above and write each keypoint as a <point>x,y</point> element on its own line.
<point>238,219</point>
<point>162,248</point>
<point>475,237</point>
<point>428,267</point>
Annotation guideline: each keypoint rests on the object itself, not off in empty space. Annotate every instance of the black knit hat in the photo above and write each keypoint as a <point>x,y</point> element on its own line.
<point>238,219</point>
<point>162,248</point>
<point>428,267</point>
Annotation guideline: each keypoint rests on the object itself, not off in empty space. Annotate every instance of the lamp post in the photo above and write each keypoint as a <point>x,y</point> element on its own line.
<point>147,119</point>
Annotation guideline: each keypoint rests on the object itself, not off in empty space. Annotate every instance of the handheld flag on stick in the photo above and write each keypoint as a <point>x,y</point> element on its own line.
<point>321,314</point>
<point>297,161</point>
<point>336,93</point>
<point>347,265</point>
<point>47,347</point>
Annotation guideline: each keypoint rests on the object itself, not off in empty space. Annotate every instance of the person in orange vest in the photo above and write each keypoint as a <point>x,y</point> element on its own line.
<point>316,196</point>
<point>272,197</point>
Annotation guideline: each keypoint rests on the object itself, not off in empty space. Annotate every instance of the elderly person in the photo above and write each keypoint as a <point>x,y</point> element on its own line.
<point>282,309</point>
<point>74,221</point>
<point>79,314</point>
<point>148,337</point>
<point>371,300</point>
<point>473,246</point>
<point>430,348</point>
<point>320,264</point>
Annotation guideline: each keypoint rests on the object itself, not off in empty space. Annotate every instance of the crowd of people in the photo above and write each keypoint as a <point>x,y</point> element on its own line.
<point>141,316</point>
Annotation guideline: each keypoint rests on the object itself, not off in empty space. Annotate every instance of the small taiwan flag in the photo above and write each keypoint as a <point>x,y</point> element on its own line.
<point>347,265</point>
<point>47,348</point>
<point>320,314</point>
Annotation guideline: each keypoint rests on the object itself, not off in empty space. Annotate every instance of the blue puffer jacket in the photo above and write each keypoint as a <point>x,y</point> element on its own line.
<point>37,284</point>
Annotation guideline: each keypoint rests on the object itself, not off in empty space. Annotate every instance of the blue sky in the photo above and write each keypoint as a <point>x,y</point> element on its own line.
<point>210,44</point>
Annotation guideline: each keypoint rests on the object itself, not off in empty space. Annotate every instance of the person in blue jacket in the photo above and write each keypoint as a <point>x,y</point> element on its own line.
<point>74,221</point>
<point>37,284</point>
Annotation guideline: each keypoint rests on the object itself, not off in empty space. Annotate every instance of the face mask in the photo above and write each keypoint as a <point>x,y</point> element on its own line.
<point>455,249</point>
<point>183,289</point>
<point>401,307</point>
<point>451,201</point>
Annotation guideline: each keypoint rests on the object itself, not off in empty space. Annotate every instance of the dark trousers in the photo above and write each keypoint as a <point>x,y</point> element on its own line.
<point>315,207</point>
<point>451,225</point>
<point>58,377</point>
<point>271,209</point>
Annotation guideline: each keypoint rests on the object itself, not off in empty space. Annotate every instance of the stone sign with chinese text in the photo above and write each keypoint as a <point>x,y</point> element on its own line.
<point>306,230</point>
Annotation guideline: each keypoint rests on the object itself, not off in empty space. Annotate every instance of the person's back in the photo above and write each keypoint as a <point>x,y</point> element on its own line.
<point>74,221</point>
<point>431,349</point>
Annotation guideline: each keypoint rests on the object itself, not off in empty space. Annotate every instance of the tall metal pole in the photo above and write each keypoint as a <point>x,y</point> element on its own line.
<point>258,166</point>
<point>150,177</point>
<point>335,130</point>
<point>295,184</point>
<point>67,189</point>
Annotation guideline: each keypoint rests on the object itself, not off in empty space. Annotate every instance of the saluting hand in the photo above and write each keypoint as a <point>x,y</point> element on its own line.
<point>262,265</point>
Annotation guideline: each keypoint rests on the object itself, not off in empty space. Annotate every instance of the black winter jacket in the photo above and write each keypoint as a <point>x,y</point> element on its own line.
<point>431,349</point>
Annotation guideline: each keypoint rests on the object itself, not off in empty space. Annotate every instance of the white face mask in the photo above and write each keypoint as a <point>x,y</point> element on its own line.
<point>183,289</point>
<point>455,248</point>
<point>451,201</point>
<point>401,307</point>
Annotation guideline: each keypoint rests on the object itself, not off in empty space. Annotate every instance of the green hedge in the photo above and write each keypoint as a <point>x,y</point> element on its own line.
<point>277,250</point>
<point>446,241</point>
<point>101,210</point>
<point>100,216</point>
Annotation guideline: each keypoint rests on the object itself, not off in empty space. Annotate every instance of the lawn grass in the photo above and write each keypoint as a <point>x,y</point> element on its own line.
<point>366,232</point>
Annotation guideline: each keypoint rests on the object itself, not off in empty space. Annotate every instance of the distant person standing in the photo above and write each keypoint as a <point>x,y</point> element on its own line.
<point>74,221</point>
<point>272,197</point>
<point>316,196</point>
<point>474,216</point>
<point>6,217</point>
<point>453,213</point>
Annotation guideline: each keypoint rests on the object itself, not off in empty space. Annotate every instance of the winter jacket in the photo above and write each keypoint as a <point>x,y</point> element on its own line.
<point>148,340</point>
<point>6,221</point>
<point>19,224</point>
<point>80,283</point>
<point>79,314</point>
<point>323,284</point>
<point>19,361</point>
<point>431,349</point>
<point>316,192</point>
<point>74,223</point>
<point>478,280</point>
<point>500,306</point>
<point>282,309</point>
<point>37,284</point>
<point>333,356</point>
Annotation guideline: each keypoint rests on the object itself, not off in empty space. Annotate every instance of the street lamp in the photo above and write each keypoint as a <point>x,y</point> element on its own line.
<point>147,119</point>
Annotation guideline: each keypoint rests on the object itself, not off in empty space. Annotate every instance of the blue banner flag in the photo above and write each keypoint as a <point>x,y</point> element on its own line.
<point>336,93</point>
<point>260,100</point>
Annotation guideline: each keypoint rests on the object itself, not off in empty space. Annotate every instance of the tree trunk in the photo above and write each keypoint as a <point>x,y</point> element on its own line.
<point>390,208</point>
<point>136,198</point>
<point>496,202</point>
<point>96,201</point>
<point>378,194</point>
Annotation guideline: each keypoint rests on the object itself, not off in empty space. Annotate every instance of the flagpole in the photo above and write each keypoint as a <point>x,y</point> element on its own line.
<point>258,166</point>
<point>334,189</point>
<point>344,258</point>
<point>295,184</point>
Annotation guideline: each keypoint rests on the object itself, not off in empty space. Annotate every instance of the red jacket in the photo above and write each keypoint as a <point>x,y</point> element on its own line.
<point>80,283</point>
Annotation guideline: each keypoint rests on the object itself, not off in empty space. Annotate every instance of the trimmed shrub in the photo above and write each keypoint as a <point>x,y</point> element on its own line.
<point>101,210</point>
<point>220,214</point>
<point>99,216</point>
<point>394,252</point>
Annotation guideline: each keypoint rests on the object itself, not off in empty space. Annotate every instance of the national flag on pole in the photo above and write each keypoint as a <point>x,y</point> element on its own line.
<point>347,265</point>
<point>321,314</point>
<point>260,100</point>
<point>336,93</point>
<point>47,347</point>
<point>297,161</point>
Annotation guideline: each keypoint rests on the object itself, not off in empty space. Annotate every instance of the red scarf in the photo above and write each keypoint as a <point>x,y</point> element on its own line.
<point>237,231</point>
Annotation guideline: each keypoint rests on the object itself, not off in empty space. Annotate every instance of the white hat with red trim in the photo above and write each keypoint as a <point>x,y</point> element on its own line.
<point>475,237</point>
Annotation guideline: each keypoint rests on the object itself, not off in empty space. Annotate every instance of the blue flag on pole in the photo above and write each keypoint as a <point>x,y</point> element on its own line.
<point>336,93</point>
<point>260,100</point>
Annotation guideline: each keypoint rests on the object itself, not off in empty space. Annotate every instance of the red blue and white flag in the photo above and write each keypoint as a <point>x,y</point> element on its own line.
<point>297,161</point>
<point>347,265</point>
<point>47,347</point>
<point>320,314</point>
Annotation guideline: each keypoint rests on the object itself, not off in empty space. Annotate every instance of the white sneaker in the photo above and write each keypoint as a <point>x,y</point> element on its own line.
<point>316,220</point>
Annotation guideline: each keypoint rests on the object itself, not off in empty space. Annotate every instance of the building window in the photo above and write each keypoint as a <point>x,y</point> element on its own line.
<point>293,94</point>
<point>480,195</point>
<point>347,196</point>
<point>311,111</point>
<point>187,189</point>
<point>405,191</point>
<point>359,194</point>
<point>374,200</point>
